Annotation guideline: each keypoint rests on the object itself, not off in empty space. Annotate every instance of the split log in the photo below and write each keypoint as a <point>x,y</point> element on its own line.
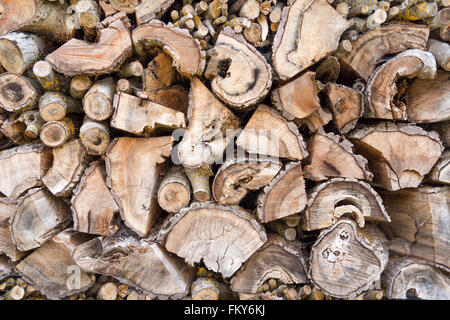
<point>204,288</point>
<point>223,237</point>
<point>188,58</point>
<point>54,106</point>
<point>337,198</point>
<point>328,70</point>
<point>94,136</point>
<point>129,6</point>
<point>429,100</point>
<point>7,245</point>
<point>330,156</point>
<point>133,166</point>
<point>48,79</point>
<point>268,133</point>
<point>79,85</point>
<point>420,223</point>
<point>175,97</point>
<point>316,120</point>
<point>104,56</point>
<point>98,101</point>
<point>284,196</point>
<point>399,155</point>
<point>22,168</point>
<point>174,192</point>
<point>159,74</point>
<point>37,218</point>
<point>17,93</point>
<point>381,87</point>
<point>346,260</point>
<point>19,51</point>
<point>140,263</point>
<point>441,171</point>
<point>142,117</point>
<point>69,162</point>
<point>14,128</point>
<point>239,175</point>
<point>276,259</point>
<point>52,270</point>
<point>247,78</point>
<point>6,267</point>
<point>93,208</point>
<point>211,127</point>
<point>56,133</point>
<point>403,275</point>
<point>199,178</point>
<point>148,10</point>
<point>15,293</point>
<point>295,47</point>
<point>443,128</point>
<point>16,13</point>
<point>441,51</point>
<point>375,44</point>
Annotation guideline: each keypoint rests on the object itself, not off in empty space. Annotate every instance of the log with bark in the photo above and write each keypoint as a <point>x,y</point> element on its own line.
<point>174,192</point>
<point>17,93</point>
<point>16,13</point>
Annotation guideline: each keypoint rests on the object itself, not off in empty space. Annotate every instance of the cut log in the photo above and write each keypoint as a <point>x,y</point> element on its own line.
<point>89,16</point>
<point>104,56</point>
<point>399,155</point>
<point>429,100</point>
<point>346,260</point>
<point>79,85</point>
<point>174,192</point>
<point>7,245</point>
<point>239,175</point>
<point>16,13</point>
<point>337,198</point>
<point>204,288</point>
<point>295,47</point>
<point>328,70</point>
<point>38,217</point>
<point>54,106</point>
<point>94,136</point>
<point>93,208</point>
<point>142,117</point>
<point>331,156</point>
<point>199,179</point>
<point>211,127</point>
<point>148,10</point>
<point>403,276</point>
<point>159,74</point>
<point>276,259</point>
<point>6,267</point>
<point>14,129</point>
<point>268,133</point>
<point>346,105</point>
<point>247,79</point>
<point>52,270</point>
<point>175,97</point>
<point>441,171</point>
<point>129,6</point>
<point>188,58</point>
<point>281,228</point>
<point>223,237</point>
<point>98,101</point>
<point>133,166</point>
<point>56,133</point>
<point>316,120</point>
<point>132,69</point>
<point>22,168</point>
<point>17,93</point>
<point>48,79</point>
<point>420,223</point>
<point>375,44</point>
<point>441,51</point>
<point>284,196</point>
<point>381,87</point>
<point>69,162</point>
<point>140,263</point>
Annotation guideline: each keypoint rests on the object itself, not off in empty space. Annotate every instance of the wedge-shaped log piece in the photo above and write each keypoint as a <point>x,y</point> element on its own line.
<point>22,168</point>
<point>346,260</point>
<point>223,237</point>
<point>295,47</point>
<point>248,78</point>
<point>69,162</point>
<point>373,45</point>
<point>133,166</point>
<point>381,87</point>
<point>240,174</point>
<point>276,259</point>
<point>38,217</point>
<point>174,192</point>
<point>142,117</point>
<point>141,263</point>
<point>284,196</point>
<point>346,104</point>
<point>399,155</point>
<point>417,277</point>
<point>16,13</point>
<point>420,222</point>
<point>331,156</point>
<point>331,200</point>
<point>150,9</point>
<point>81,57</point>
<point>188,58</point>
<point>211,127</point>
<point>441,171</point>
<point>268,133</point>
<point>94,210</point>
<point>429,100</point>
<point>17,92</point>
<point>52,270</point>
<point>7,245</point>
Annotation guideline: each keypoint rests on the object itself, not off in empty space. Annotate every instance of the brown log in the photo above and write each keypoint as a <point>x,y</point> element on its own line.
<point>56,133</point>
<point>7,246</point>
<point>98,101</point>
<point>443,128</point>
<point>55,106</point>
<point>79,85</point>
<point>17,93</point>
<point>93,208</point>
<point>441,171</point>
<point>148,10</point>
<point>174,192</point>
<point>281,228</point>
<point>16,13</point>
<point>94,136</point>
<point>204,288</point>
<point>440,25</point>
<point>328,70</point>
<point>133,166</point>
<point>316,120</point>
<point>223,248</point>
<point>132,69</point>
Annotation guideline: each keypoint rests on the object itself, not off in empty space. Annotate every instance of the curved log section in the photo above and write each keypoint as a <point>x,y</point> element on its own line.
<point>441,171</point>
<point>17,93</point>
<point>16,13</point>
<point>295,47</point>
<point>346,260</point>
<point>7,246</point>
<point>375,44</point>
<point>337,198</point>
<point>133,166</point>
<point>82,57</point>
<point>187,56</point>
<point>174,192</point>
<point>277,259</point>
<point>223,237</point>
<point>238,175</point>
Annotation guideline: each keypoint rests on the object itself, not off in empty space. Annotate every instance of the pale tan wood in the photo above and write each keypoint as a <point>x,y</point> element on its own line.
<point>16,293</point>
<point>7,246</point>
<point>441,171</point>
<point>16,13</point>
<point>56,133</point>
<point>6,266</point>
<point>281,228</point>
<point>204,288</point>
<point>54,106</point>
<point>328,70</point>
<point>98,101</point>
<point>441,51</point>
<point>94,136</point>
<point>132,69</point>
<point>199,179</point>
<point>151,9</point>
<point>316,120</point>
<point>17,93</point>
<point>79,85</point>
<point>174,192</point>
<point>108,291</point>
<point>48,79</point>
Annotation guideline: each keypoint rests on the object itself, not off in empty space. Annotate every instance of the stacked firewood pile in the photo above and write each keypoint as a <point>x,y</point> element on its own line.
<point>246,149</point>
